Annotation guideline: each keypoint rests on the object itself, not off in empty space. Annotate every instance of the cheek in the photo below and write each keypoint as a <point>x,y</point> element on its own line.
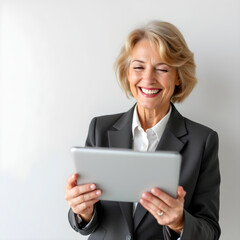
<point>133,88</point>
<point>169,84</point>
<point>133,80</point>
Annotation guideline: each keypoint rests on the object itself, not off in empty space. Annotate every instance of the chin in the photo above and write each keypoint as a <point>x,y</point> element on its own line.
<point>148,106</point>
<point>152,105</point>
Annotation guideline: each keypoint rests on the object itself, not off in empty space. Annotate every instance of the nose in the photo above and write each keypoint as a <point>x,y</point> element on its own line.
<point>149,76</point>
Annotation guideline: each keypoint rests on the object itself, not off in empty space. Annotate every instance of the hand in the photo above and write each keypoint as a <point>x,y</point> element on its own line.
<point>81,198</point>
<point>167,210</point>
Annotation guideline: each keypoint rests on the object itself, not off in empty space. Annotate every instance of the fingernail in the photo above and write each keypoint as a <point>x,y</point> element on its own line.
<point>92,186</point>
<point>144,195</point>
<point>154,190</point>
<point>73,176</point>
<point>98,192</point>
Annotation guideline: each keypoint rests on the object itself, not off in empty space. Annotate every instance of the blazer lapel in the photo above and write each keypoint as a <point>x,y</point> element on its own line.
<point>138,216</point>
<point>121,134</point>
<point>170,141</point>
<point>127,210</point>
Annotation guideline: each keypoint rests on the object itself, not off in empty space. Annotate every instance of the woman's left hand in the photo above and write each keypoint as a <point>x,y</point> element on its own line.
<point>167,210</point>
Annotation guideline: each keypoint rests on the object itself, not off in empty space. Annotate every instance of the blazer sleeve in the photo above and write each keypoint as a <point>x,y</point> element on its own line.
<point>201,218</point>
<point>90,142</point>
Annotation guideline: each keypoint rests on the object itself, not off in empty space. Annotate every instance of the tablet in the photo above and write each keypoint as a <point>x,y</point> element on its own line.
<point>123,175</point>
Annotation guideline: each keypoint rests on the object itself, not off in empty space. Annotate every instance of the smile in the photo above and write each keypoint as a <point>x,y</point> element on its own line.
<point>150,91</point>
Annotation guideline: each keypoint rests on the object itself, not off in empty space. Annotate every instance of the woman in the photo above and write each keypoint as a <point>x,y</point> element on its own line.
<point>156,67</point>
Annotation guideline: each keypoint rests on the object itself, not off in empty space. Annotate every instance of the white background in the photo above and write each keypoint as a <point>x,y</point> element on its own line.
<point>56,69</point>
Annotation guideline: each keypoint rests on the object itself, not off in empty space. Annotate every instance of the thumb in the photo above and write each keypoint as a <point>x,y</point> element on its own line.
<point>72,181</point>
<point>181,193</point>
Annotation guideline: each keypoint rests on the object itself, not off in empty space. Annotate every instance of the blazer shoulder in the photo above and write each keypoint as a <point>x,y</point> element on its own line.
<point>107,121</point>
<point>114,121</point>
<point>182,126</point>
<point>198,129</point>
<point>99,127</point>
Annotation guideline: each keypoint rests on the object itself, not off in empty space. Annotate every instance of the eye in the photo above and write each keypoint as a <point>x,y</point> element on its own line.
<point>161,70</point>
<point>137,68</point>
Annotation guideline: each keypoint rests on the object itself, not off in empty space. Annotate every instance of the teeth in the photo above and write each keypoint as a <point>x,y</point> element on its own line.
<point>150,91</point>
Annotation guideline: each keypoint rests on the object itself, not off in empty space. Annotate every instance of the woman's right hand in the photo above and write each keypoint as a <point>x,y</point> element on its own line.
<point>81,198</point>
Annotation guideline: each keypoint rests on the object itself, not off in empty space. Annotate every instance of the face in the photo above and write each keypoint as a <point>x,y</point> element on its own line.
<point>152,82</point>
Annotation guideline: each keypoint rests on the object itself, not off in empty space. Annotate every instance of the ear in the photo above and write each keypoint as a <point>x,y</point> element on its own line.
<point>178,80</point>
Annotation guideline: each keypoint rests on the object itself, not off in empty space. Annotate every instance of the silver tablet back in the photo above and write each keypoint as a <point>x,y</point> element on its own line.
<point>123,175</point>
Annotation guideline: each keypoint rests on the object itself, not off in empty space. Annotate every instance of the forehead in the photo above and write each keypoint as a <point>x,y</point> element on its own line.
<point>144,50</point>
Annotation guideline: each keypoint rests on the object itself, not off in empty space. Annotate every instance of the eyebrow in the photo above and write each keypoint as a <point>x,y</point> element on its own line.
<point>158,64</point>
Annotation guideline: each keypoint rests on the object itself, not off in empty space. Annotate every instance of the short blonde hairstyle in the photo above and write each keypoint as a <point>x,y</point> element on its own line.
<point>173,50</point>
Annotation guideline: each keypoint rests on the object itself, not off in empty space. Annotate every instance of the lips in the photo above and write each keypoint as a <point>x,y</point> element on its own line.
<point>151,92</point>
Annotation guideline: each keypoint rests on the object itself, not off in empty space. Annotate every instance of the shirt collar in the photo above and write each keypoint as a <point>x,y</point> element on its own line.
<point>158,128</point>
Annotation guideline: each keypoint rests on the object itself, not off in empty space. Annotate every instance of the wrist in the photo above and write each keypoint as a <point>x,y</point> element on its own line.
<point>86,218</point>
<point>178,227</point>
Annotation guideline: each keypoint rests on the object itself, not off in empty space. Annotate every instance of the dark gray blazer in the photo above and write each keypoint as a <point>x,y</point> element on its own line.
<point>199,177</point>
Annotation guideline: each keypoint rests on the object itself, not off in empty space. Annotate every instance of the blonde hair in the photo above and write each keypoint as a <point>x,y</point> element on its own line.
<point>173,50</point>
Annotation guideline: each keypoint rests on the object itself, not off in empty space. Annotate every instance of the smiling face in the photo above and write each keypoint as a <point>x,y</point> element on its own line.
<point>152,82</point>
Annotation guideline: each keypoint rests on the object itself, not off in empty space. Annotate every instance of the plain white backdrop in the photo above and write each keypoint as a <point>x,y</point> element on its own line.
<point>56,73</point>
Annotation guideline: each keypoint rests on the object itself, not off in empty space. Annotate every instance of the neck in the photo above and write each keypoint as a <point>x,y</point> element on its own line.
<point>150,117</point>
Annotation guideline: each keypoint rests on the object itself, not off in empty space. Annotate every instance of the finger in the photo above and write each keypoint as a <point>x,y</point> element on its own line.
<point>148,205</point>
<point>154,203</point>
<point>181,193</point>
<point>79,209</point>
<point>78,190</point>
<point>167,199</point>
<point>153,210</point>
<point>84,198</point>
<point>71,181</point>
